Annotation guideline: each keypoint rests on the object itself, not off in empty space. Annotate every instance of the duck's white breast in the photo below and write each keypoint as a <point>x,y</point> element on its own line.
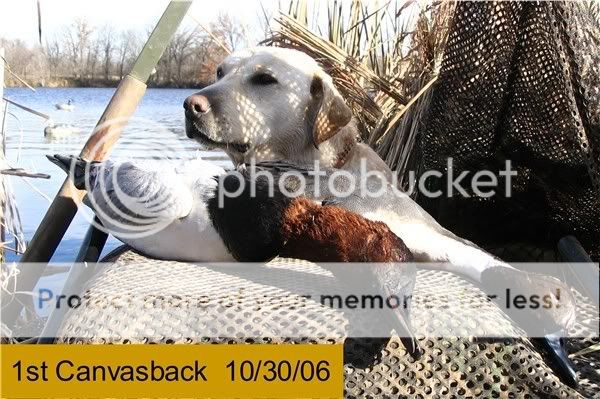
<point>189,238</point>
<point>192,239</point>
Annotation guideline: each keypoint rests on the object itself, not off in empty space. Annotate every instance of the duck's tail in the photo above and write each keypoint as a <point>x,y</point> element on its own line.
<point>82,172</point>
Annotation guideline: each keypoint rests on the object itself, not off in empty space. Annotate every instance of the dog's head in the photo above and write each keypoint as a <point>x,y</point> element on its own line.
<point>267,103</point>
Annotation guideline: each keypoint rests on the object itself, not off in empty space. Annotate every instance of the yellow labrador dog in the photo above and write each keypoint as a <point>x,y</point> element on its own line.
<point>271,104</point>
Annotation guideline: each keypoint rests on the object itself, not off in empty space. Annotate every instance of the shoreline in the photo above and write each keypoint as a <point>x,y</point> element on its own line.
<point>96,83</point>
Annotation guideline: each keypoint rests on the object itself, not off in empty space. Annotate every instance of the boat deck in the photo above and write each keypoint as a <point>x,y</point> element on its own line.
<point>448,367</point>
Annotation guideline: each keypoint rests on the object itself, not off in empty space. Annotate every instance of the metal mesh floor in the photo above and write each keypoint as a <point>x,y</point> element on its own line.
<point>374,368</point>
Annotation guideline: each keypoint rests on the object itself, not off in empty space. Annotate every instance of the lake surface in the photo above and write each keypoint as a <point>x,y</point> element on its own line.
<point>155,132</point>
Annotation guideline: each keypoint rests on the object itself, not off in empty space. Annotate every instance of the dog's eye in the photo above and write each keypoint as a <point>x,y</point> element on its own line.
<point>263,79</point>
<point>220,73</point>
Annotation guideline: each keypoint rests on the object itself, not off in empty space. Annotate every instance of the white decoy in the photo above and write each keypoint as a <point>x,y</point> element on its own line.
<point>68,106</point>
<point>58,130</point>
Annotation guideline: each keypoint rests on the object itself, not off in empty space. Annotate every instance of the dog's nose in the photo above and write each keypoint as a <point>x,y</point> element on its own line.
<point>196,104</point>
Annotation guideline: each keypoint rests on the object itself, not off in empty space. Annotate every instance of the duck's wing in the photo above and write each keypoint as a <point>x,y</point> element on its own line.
<point>128,196</point>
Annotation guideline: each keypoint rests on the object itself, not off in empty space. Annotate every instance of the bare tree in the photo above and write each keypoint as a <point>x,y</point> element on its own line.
<point>93,56</point>
<point>180,50</point>
<point>54,55</point>
<point>127,50</point>
<point>106,39</point>
<point>81,51</point>
<point>77,40</point>
<point>207,57</point>
<point>20,57</point>
<point>230,30</point>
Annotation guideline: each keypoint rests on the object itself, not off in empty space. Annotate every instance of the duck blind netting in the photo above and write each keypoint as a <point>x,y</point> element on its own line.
<point>519,81</point>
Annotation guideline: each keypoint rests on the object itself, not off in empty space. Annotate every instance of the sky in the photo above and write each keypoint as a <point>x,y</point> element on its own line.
<point>18,18</point>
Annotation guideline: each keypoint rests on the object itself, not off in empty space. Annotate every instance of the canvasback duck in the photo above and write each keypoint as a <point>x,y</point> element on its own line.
<point>427,240</point>
<point>256,225</point>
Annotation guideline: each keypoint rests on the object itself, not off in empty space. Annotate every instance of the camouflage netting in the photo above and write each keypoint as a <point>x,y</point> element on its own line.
<point>519,81</point>
<point>115,311</point>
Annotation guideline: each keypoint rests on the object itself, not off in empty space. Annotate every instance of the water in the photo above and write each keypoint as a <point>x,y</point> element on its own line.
<point>155,132</point>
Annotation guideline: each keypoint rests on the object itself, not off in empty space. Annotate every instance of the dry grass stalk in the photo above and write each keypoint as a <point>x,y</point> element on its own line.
<point>212,35</point>
<point>345,70</point>
<point>10,218</point>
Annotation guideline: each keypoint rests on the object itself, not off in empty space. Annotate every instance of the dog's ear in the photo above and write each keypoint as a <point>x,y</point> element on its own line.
<point>327,112</point>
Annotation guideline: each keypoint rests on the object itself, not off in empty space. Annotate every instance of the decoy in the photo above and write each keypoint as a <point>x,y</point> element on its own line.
<point>59,130</point>
<point>68,106</point>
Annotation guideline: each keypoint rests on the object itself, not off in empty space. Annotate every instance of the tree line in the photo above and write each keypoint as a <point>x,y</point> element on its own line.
<point>80,54</point>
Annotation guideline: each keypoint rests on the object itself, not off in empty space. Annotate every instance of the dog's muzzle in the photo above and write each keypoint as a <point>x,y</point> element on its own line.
<point>194,132</point>
<point>190,130</point>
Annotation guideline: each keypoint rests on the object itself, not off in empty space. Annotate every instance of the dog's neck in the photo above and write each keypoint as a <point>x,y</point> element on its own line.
<point>332,153</point>
<point>336,151</point>
<point>343,151</point>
